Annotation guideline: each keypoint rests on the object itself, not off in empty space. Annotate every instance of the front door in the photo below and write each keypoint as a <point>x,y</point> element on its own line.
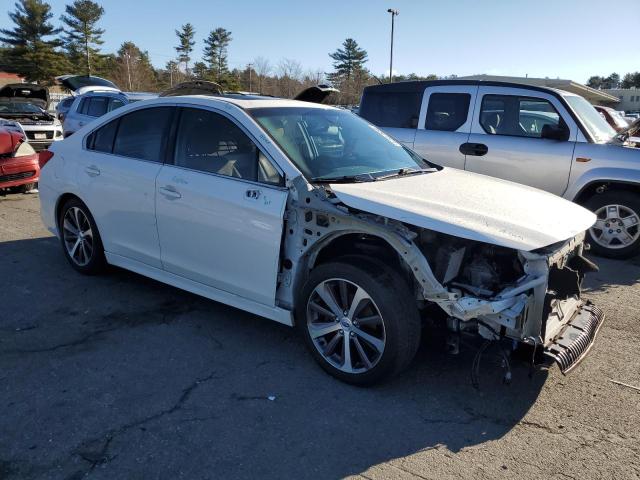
<point>220,208</point>
<point>505,140</point>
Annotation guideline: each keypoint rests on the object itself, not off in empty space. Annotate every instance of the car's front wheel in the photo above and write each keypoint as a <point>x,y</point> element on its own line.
<point>80,238</point>
<point>359,320</point>
<point>616,233</point>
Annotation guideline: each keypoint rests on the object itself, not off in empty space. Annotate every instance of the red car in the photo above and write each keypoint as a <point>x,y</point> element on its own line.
<point>19,162</point>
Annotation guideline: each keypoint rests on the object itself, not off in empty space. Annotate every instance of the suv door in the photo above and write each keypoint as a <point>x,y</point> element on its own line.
<point>220,208</point>
<point>445,124</point>
<point>117,175</point>
<point>506,141</point>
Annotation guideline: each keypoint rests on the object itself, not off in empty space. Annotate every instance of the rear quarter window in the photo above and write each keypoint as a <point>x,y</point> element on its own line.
<point>391,109</point>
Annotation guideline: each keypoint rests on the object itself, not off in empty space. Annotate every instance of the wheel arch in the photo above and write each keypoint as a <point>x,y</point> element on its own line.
<point>62,199</point>
<point>596,187</point>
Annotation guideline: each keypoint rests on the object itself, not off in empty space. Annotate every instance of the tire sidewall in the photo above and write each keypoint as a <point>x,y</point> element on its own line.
<point>628,199</point>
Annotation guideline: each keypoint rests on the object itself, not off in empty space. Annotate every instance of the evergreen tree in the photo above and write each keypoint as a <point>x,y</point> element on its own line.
<point>185,44</point>
<point>200,70</point>
<point>215,51</point>
<point>82,35</point>
<point>32,47</point>
<point>349,59</point>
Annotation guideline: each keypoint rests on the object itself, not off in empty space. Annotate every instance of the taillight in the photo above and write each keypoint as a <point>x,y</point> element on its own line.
<point>44,156</point>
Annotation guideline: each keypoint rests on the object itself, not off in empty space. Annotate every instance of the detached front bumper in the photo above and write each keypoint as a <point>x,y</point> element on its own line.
<point>576,337</point>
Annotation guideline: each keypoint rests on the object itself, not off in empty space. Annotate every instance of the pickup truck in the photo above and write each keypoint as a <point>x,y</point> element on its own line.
<point>542,137</point>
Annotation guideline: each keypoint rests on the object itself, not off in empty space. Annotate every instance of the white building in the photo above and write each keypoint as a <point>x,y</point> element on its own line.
<point>629,98</point>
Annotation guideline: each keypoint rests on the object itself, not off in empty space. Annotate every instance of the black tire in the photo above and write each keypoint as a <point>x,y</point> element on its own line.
<point>97,261</point>
<point>393,298</point>
<point>630,201</point>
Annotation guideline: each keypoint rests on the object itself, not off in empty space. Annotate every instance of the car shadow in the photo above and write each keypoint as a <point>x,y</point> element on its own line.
<point>624,272</point>
<point>133,377</point>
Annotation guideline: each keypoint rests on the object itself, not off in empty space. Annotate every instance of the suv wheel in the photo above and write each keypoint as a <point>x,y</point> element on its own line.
<point>80,238</point>
<point>616,233</point>
<point>359,320</point>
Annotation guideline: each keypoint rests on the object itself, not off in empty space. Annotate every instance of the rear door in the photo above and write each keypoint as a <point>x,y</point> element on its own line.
<point>505,140</point>
<point>445,124</point>
<point>117,178</point>
<point>220,207</point>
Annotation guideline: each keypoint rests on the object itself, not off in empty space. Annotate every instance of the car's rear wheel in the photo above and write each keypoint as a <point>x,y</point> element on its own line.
<point>359,320</point>
<point>80,238</point>
<point>616,233</point>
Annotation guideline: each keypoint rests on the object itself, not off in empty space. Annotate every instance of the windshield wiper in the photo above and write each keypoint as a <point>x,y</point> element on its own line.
<point>404,172</point>
<point>366,177</point>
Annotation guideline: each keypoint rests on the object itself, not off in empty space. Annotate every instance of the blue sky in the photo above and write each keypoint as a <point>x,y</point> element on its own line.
<point>555,38</point>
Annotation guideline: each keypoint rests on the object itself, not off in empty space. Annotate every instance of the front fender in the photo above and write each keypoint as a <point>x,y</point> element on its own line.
<point>599,176</point>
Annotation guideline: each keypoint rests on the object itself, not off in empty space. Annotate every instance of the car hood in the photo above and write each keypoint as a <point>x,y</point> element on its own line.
<point>80,84</point>
<point>471,206</point>
<point>27,93</point>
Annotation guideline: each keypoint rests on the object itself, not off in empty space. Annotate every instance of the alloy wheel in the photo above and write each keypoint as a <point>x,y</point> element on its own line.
<point>617,226</point>
<point>345,325</point>
<point>77,236</point>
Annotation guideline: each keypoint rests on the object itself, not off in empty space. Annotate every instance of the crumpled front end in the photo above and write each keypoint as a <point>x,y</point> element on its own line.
<point>530,297</point>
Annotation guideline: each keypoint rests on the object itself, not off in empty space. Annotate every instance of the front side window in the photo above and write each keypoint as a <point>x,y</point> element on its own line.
<point>447,111</point>
<point>142,134</point>
<point>517,116</point>
<point>209,142</point>
<point>115,103</point>
<point>327,143</point>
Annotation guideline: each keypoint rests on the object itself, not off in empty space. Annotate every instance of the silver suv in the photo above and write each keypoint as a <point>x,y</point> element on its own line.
<point>89,106</point>
<point>542,137</point>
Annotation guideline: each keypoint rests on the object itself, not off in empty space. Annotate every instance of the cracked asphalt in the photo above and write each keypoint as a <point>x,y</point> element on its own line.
<point>118,376</point>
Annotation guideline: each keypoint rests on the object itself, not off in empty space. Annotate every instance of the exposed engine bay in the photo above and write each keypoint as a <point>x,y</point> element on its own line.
<point>499,293</point>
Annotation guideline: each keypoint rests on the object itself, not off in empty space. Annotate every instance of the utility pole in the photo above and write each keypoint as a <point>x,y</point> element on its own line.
<point>126,55</point>
<point>393,13</point>
<point>249,66</point>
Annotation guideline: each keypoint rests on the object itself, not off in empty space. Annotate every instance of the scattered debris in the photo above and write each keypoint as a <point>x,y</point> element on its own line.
<point>637,389</point>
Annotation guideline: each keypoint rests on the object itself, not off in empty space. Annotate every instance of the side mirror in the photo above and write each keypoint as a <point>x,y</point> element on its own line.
<point>555,132</point>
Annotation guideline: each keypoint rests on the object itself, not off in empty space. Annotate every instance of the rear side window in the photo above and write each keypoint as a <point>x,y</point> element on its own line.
<point>391,109</point>
<point>447,111</point>
<point>102,139</point>
<point>97,106</point>
<point>142,134</point>
<point>83,105</point>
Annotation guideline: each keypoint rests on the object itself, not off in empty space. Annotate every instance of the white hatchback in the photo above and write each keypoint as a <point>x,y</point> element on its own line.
<point>310,216</point>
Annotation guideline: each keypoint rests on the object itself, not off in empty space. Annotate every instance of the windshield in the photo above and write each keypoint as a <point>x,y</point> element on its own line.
<point>18,107</point>
<point>330,143</point>
<point>597,126</point>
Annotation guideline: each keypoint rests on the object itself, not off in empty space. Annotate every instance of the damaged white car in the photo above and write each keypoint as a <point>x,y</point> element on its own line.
<point>310,216</point>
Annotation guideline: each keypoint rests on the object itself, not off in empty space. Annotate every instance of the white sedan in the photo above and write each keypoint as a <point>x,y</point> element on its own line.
<point>310,216</point>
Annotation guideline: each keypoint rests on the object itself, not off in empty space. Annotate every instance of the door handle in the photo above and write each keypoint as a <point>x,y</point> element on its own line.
<point>170,192</point>
<point>475,149</point>
<point>252,194</point>
<point>92,171</point>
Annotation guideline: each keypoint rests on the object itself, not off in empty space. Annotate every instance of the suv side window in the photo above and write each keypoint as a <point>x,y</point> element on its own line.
<point>115,103</point>
<point>97,106</point>
<point>209,142</point>
<point>143,133</point>
<point>517,116</point>
<point>392,109</point>
<point>447,111</point>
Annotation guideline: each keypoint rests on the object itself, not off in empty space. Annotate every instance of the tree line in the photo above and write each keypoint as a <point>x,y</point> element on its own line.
<point>39,49</point>
<point>630,80</point>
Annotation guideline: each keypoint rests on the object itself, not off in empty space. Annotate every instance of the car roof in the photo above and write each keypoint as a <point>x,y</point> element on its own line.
<point>245,102</point>
<point>417,86</point>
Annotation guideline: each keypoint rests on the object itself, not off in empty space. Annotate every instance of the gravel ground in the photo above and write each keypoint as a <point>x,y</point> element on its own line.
<point>119,376</point>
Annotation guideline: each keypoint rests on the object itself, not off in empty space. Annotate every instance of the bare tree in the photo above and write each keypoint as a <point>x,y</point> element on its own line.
<point>290,73</point>
<point>262,68</point>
